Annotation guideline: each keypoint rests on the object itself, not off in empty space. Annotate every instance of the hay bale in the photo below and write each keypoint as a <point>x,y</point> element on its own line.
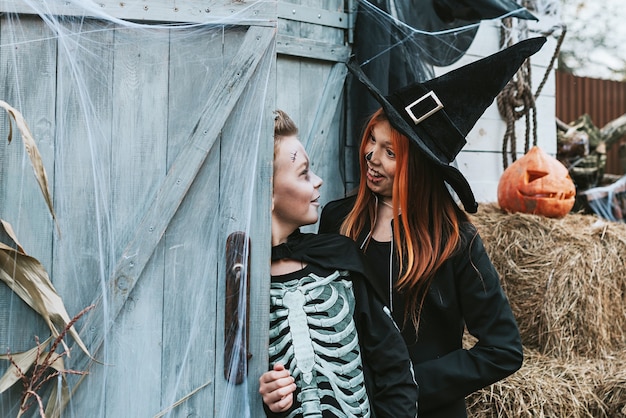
<point>565,279</point>
<point>551,387</point>
<point>612,388</point>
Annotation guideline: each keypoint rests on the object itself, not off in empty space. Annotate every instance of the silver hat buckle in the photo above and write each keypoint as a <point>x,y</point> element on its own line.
<point>437,105</point>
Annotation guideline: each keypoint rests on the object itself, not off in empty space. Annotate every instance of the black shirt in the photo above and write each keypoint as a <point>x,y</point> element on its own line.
<point>465,293</point>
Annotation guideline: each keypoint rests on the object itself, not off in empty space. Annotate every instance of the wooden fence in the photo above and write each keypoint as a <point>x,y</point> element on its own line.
<point>602,100</point>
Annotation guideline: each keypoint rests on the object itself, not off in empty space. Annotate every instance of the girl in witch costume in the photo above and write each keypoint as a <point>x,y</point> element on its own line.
<point>431,264</point>
<point>334,349</point>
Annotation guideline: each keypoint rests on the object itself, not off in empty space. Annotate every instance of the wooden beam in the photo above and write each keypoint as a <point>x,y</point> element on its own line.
<point>315,15</point>
<point>181,175</point>
<point>260,13</point>
<point>307,48</point>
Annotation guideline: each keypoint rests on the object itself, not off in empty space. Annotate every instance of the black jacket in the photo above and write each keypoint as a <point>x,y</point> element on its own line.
<point>465,292</point>
<point>387,368</point>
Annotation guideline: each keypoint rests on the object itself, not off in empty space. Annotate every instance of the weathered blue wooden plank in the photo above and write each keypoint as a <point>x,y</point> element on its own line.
<point>27,82</point>
<point>244,186</point>
<point>82,174</point>
<point>138,165</point>
<point>318,82</point>
<point>192,248</point>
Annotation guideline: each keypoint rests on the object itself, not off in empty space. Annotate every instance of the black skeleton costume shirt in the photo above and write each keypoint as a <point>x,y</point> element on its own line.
<point>330,330</point>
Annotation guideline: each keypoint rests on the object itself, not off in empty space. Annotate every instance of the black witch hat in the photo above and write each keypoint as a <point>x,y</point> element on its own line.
<point>436,115</point>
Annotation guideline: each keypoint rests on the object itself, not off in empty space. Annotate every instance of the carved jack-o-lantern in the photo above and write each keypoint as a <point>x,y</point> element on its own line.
<point>538,184</point>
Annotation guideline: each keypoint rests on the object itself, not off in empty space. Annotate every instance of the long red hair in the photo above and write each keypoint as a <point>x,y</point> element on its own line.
<point>427,233</point>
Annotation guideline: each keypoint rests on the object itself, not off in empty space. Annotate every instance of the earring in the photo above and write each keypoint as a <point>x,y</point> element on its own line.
<point>368,156</point>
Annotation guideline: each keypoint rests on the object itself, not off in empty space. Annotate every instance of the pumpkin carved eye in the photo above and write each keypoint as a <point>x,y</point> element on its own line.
<point>538,184</point>
<point>535,175</point>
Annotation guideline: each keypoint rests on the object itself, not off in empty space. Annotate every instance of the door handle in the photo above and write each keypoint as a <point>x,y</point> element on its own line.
<point>237,307</point>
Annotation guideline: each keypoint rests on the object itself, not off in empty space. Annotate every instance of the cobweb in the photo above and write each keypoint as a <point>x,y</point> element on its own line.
<point>119,110</point>
<point>400,42</point>
<point>113,104</point>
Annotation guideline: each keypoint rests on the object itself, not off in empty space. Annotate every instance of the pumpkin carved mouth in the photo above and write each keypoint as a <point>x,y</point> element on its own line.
<point>547,195</point>
<point>556,196</point>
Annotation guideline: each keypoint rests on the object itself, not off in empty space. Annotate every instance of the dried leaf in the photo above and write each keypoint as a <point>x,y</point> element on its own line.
<point>29,280</point>
<point>11,234</point>
<point>24,361</point>
<point>33,153</point>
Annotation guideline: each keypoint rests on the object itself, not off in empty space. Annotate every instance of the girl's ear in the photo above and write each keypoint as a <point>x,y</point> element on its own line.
<point>272,203</point>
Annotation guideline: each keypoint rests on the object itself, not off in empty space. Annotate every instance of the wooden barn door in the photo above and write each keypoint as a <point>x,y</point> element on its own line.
<point>157,144</point>
<point>312,46</point>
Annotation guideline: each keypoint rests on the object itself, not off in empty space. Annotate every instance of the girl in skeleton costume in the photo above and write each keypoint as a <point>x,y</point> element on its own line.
<point>432,266</point>
<point>334,349</point>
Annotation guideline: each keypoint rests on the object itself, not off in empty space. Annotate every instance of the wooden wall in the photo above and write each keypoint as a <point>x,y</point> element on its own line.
<point>310,80</point>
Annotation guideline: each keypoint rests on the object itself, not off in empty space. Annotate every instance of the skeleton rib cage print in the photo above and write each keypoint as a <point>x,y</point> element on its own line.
<point>312,332</point>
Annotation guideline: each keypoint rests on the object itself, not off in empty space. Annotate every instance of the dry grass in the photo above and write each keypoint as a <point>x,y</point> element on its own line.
<point>566,281</point>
